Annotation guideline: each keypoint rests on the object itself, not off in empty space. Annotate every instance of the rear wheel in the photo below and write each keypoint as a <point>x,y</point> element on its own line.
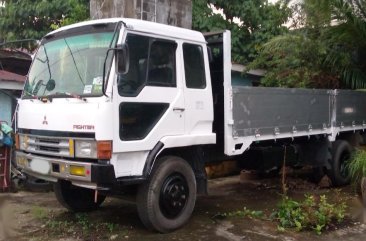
<point>166,201</point>
<point>341,154</point>
<point>77,199</point>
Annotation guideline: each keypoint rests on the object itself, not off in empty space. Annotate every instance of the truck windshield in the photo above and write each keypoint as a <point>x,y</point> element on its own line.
<point>70,65</point>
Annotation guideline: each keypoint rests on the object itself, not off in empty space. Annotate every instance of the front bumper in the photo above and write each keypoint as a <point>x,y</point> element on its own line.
<point>93,175</point>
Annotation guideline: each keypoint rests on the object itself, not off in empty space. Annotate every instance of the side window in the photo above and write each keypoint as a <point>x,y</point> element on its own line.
<point>162,64</point>
<point>152,62</point>
<point>129,84</point>
<point>194,66</point>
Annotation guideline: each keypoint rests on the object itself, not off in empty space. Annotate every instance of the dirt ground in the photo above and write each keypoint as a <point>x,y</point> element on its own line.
<point>38,216</point>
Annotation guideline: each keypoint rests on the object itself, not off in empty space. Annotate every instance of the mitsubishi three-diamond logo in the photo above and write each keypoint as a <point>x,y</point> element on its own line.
<point>45,122</point>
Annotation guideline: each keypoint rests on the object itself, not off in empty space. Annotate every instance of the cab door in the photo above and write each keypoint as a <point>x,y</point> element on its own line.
<point>197,91</point>
<point>148,100</point>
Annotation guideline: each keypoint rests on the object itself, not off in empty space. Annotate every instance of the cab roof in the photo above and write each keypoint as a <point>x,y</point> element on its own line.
<point>143,26</point>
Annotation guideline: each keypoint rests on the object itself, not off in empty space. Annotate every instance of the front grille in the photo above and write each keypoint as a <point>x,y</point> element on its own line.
<point>50,141</point>
<point>57,146</point>
<point>51,149</point>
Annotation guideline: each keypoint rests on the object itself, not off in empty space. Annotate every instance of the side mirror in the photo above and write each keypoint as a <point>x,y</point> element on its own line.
<point>51,84</point>
<point>122,59</point>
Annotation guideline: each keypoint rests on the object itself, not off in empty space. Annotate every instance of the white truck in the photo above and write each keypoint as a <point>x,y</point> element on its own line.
<point>119,106</point>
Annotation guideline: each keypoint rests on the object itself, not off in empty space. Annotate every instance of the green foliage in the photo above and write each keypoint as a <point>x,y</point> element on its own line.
<point>311,213</point>
<point>325,49</point>
<point>357,166</point>
<point>252,23</point>
<point>347,41</point>
<point>80,12</point>
<point>293,61</point>
<point>22,19</point>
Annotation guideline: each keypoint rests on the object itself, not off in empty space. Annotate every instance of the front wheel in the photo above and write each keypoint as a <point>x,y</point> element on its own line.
<point>165,202</point>
<point>77,199</point>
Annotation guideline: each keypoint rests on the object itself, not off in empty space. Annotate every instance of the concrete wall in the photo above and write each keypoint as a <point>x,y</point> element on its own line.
<point>171,12</point>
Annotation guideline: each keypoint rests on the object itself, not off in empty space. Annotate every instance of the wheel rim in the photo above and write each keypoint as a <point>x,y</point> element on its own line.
<point>343,164</point>
<point>173,195</point>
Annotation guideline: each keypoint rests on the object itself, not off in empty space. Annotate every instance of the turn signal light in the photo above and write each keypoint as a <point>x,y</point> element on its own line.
<point>104,149</point>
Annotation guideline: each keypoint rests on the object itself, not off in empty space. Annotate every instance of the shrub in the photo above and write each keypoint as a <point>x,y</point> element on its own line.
<point>312,213</point>
<point>357,166</point>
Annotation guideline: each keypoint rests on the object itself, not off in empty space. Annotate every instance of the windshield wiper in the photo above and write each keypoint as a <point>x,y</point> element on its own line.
<point>76,67</point>
<point>28,95</point>
<point>72,95</point>
<point>48,61</point>
<point>39,82</point>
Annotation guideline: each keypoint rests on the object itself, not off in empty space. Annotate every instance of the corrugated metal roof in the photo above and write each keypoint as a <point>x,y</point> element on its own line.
<point>16,54</point>
<point>12,77</point>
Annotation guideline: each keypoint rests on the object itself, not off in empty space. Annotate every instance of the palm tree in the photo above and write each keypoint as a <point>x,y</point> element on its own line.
<point>347,42</point>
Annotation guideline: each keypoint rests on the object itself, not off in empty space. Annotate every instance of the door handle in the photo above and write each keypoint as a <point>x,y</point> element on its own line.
<point>179,109</point>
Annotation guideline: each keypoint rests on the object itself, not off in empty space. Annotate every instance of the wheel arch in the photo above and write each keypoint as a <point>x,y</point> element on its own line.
<point>193,155</point>
<point>355,139</point>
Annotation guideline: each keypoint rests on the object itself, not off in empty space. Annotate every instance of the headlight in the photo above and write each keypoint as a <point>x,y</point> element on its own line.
<point>85,149</point>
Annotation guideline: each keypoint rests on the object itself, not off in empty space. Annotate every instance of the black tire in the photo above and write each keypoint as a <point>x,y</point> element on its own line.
<point>341,153</point>
<point>76,199</point>
<point>166,201</point>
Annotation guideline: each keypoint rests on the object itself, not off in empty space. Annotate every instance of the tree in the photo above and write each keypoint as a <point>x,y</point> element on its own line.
<point>252,22</point>
<point>325,49</point>
<point>23,19</point>
<point>347,42</point>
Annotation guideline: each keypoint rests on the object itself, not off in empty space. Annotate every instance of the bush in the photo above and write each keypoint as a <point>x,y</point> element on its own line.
<point>312,213</point>
<point>357,166</point>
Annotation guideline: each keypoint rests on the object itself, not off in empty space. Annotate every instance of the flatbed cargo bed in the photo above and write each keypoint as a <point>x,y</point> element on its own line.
<point>253,114</point>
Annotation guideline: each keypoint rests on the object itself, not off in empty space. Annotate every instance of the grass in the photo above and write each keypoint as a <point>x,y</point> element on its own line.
<point>76,225</point>
<point>357,166</point>
<point>39,212</point>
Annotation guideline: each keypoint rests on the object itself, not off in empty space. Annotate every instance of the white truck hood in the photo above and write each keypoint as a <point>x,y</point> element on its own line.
<point>67,115</point>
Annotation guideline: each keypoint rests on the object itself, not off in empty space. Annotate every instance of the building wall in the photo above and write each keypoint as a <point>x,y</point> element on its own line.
<point>171,12</point>
<point>5,108</point>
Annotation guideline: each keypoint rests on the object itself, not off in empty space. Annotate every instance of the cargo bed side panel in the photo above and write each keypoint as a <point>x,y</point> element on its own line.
<point>350,110</point>
<point>273,111</point>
